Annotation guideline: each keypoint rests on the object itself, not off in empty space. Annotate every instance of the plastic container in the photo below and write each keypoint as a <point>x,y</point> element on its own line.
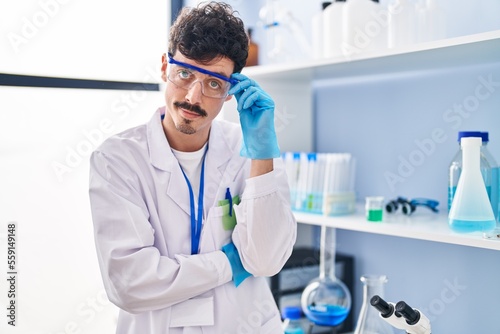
<point>365,27</point>
<point>431,22</point>
<point>317,31</point>
<point>489,170</point>
<point>291,320</point>
<point>338,184</point>
<point>402,24</point>
<point>333,29</point>
<point>471,209</point>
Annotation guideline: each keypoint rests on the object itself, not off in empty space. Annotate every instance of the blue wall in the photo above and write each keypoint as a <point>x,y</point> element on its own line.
<point>403,128</point>
<point>456,287</point>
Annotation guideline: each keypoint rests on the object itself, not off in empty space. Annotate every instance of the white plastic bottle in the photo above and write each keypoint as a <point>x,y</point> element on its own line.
<point>432,21</point>
<point>402,27</point>
<point>365,27</point>
<point>317,31</point>
<point>332,29</point>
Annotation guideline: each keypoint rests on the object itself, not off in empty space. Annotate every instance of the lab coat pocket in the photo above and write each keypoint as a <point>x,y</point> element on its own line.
<point>272,326</point>
<point>228,214</point>
<point>193,312</point>
<point>213,235</point>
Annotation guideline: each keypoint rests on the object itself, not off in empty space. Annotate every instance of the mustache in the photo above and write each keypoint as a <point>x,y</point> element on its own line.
<point>191,107</point>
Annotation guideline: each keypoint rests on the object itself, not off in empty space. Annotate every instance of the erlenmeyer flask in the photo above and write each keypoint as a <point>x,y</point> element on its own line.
<point>471,208</point>
<point>369,321</point>
<point>326,301</point>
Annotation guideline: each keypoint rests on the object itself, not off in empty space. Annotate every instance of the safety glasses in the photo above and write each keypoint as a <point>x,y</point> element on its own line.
<point>185,75</point>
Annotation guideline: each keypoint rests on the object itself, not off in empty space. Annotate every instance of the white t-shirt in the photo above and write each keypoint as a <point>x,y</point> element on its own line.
<point>191,165</point>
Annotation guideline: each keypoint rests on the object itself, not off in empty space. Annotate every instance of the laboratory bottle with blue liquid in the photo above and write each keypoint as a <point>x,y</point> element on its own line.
<point>291,320</point>
<point>488,166</point>
<point>494,193</point>
<point>326,301</point>
<point>471,208</point>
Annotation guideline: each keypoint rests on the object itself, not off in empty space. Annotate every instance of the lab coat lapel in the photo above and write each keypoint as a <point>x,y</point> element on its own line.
<point>177,188</point>
<point>162,158</point>
<point>218,156</point>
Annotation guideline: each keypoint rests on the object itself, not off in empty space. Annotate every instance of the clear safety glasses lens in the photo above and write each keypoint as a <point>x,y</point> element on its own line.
<point>210,86</point>
<point>185,75</point>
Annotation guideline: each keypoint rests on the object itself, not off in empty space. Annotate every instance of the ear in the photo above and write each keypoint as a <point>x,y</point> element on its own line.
<point>164,64</point>
<point>229,97</point>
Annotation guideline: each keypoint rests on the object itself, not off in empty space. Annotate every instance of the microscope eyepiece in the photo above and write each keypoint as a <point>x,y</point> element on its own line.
<point>412,316</point>
<point>382,306</point>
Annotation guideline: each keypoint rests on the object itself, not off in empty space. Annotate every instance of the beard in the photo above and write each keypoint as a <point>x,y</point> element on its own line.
<point>185,125</point>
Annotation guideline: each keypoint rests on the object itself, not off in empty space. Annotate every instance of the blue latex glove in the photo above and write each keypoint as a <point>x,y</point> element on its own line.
<point>256,109</point>
<point>239,273</point>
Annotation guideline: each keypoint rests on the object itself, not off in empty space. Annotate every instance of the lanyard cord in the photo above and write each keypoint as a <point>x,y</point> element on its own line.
<point>196,222</point>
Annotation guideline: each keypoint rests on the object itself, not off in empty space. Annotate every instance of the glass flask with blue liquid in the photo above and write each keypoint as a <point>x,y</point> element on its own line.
<point>326,301</point>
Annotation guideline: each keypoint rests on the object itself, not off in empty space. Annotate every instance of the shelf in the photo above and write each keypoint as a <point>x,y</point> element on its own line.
<point>470,50</point>
<point>449,53</point>
<point>431,227</point>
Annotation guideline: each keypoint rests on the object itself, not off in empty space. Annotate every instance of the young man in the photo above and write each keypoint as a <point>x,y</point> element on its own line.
<point>192,213</point>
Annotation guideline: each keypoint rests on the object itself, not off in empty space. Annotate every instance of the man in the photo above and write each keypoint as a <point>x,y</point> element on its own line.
<point>192,213</point>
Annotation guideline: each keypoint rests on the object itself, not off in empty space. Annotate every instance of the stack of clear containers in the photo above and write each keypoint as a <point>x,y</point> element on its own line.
<point>321,183</point>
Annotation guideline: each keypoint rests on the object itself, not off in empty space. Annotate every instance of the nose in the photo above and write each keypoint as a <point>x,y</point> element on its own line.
<point>194,92</point>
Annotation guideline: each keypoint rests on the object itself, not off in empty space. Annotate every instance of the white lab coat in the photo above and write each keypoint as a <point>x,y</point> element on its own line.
<point>141,214</point>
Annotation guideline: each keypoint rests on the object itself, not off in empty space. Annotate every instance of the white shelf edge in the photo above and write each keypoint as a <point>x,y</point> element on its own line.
<point>277,69</point>
<point>425,227</point>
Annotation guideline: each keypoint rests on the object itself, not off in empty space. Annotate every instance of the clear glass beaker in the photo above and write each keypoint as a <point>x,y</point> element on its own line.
<point>326,301</point>
<point>369,321</point>
<point>374,207</point>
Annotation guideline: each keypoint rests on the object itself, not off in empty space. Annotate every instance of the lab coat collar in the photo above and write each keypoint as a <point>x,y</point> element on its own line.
<point>220,151</point>
<point>223,160</point>
<point>161,155</point>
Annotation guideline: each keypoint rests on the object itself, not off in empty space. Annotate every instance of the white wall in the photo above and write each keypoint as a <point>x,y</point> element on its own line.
<point>46,136</point>
<point>109,40</point>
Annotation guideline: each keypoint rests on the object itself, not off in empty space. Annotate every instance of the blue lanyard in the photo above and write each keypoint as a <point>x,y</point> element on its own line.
<point>196,222</point>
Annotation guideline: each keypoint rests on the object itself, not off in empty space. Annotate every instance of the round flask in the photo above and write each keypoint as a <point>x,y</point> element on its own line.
<point>326,301</point>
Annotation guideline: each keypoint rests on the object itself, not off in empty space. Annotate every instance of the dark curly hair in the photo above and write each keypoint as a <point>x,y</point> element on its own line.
<point>208,32</point>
